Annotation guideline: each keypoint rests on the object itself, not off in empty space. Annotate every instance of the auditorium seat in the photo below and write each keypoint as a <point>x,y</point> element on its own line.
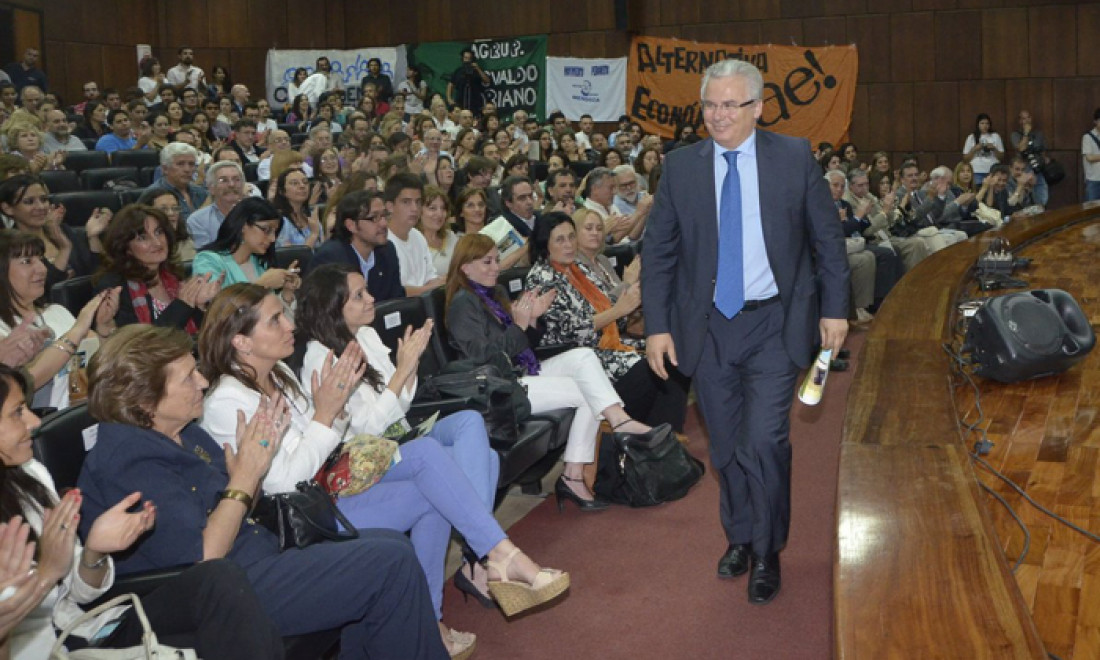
<point>58,181</point>
<point>78,161</point>
<point>620,255</point>
<point>136,158</point>
<point>98,178</point>
<point>288,254</point>
<point>73,293</point>
<point>80,204</point>
<point>512,280</point>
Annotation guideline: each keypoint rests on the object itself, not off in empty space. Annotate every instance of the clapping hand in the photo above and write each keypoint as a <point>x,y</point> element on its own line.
<point>334,385</point>
<point>198,291</point>
<point>116,529</point>
<point>58,538</point>
<point>413,345</point>
<point>258,440</point>
<point>19,593</point>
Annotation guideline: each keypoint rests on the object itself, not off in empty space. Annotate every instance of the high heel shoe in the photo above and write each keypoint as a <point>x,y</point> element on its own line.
<point>468,588</point>
<point>515,597</point>
<point>562,491</point>
<point>461,645</point>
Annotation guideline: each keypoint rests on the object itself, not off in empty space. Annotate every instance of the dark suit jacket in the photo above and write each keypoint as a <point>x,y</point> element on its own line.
<point>802,237</point>
<point>518,222</point>
<point>383,280</point>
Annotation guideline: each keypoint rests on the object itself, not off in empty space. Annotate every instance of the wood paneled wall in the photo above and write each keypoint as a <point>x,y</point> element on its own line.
<point>927,67</point>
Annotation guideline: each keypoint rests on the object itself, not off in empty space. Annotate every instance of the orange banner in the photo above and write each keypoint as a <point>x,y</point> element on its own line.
<point>808,92</point>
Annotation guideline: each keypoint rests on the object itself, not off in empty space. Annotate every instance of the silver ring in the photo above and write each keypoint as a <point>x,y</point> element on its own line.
<point>64,526</point>
<point>339,386</point>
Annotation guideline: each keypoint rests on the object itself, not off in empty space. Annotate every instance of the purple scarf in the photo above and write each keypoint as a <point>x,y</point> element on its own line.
<point>526,358</point>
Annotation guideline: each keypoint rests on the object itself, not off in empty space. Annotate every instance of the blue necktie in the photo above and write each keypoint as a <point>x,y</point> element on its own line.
<point>729,292</point>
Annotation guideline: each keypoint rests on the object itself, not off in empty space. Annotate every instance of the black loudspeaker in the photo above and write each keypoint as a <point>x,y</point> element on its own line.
<point>622,15</point>
<point>1028,335</point>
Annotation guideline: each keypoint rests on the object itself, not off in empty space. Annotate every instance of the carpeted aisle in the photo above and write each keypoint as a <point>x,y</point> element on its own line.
<point>643,582</point>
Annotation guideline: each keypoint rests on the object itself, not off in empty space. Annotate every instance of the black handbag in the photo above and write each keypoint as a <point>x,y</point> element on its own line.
<point>496,395</point>
<point>645,469</point>
<point>302,517</point>
<point>1053,171</point>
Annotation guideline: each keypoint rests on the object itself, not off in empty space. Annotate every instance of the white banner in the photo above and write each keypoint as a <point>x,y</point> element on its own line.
<point>349,65</point>
<point>579,86</point>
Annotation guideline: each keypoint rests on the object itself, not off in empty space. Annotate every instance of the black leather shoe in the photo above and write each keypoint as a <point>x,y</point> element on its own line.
<point>735,562</point>
<point>764,580</point>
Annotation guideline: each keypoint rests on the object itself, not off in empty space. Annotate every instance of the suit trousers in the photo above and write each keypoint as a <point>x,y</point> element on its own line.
<point>371,587</point>
<point>574,379</point>
<point>745,384</point>
<point>426,494</point>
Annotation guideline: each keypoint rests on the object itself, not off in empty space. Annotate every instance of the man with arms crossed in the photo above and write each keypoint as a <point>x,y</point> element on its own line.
<point>730,298</point>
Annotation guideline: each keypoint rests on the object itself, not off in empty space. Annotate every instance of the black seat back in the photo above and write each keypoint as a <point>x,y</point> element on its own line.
<point>620,256</point>
<point>59,443</point>
<point>97,178</point>
<point>78,161</point>
<point>288,254</point>
<point>79,205</point>
<point>435,304</point>
<point>392,317</point>
<point>58,181</point>
<point>136,158</point>
<point>250,173</point>
<point>73,293</point>
<point>512,280</point>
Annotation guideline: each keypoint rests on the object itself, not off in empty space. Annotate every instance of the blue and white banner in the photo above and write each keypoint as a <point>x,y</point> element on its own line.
<point>579,86</point>
<point>350,66</point>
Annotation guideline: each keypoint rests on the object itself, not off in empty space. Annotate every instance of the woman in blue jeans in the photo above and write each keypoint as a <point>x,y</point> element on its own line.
<point>335,309</point>
<point>244,337</point>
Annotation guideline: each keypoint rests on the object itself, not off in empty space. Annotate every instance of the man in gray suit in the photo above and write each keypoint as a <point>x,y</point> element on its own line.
<point>742,249</point>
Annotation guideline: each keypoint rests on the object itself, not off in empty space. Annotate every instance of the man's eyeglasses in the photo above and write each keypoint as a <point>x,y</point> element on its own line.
<point>729,107</point>
<point>374,217</point>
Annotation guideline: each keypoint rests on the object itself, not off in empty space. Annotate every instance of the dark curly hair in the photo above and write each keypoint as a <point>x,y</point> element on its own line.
<point>126,225</point>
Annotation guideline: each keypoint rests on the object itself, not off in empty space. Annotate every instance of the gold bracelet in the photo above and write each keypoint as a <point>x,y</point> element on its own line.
<point>64,349</point>
<point>69,343</point>
<point>238,495</point>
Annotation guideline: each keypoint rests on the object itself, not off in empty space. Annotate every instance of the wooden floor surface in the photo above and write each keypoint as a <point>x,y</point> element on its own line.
<point>1046,436</point>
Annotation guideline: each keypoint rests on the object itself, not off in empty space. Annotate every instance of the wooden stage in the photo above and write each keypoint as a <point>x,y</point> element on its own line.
<point>921,568</point>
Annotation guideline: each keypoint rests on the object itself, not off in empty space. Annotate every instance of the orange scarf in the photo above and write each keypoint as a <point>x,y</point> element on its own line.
<point>609,336</point>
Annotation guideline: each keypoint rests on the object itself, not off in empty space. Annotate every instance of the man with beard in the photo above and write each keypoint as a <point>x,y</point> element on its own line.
<point>360,239</point>
<point>629,198</point>
<point>381,81</point>
<point>59,135</point>
<point>467,85</point>
<point>332,80</point>
<point>185,74</point>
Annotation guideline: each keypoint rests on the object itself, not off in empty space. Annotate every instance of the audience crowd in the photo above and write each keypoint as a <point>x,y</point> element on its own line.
<point>193,320</point>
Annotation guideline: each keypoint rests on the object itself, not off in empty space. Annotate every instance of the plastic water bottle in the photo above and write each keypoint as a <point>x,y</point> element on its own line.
<point>814,384</point>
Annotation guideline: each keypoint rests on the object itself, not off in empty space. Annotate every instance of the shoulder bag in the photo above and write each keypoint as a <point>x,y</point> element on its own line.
<point>645,469</point>
<point>302,517</point>
<point>150,649</point>
<point>489,389</point>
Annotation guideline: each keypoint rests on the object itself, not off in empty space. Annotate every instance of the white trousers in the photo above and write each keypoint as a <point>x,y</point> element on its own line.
<point>574,379</point>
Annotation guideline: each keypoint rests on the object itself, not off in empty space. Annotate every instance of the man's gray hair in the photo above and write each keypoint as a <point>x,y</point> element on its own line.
<point>856,173</point>
<point>624,169</point>
<point>940,172</point>
<point>596,177</point>
<point>833,174</point>
<point>212,171</point>
<point>731,68</point>
<point>317,129</point>
<point>174,150</point>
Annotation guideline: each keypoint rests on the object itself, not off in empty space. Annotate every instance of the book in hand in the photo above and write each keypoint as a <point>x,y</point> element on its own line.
<point>504,235</point>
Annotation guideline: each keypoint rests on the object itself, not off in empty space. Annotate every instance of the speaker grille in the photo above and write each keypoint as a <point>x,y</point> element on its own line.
<point>1035,325</point>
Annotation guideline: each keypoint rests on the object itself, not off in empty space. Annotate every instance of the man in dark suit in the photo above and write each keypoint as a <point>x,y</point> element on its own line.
<point>360,240</point>
<point>741,235</point>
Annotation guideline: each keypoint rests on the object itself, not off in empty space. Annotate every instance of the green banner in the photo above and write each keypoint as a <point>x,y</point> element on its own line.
<point>516,69</point>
